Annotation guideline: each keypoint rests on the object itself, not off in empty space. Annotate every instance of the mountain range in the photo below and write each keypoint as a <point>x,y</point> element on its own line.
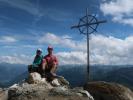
<point>9,72</point>
<point>75,74</point>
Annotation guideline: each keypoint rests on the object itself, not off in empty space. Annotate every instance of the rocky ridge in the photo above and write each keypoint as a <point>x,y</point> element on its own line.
<point>37,88</point>
<point>108,91</point>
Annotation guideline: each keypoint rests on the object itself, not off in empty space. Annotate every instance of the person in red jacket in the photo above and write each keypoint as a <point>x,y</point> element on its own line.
<point>50,62</point>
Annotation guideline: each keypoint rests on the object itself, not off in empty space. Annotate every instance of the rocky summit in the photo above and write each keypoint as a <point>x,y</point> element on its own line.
<point>37,88</point>
<point>108,91</point>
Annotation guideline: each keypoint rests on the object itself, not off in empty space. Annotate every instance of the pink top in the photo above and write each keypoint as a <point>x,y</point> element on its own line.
<point>50,60</point>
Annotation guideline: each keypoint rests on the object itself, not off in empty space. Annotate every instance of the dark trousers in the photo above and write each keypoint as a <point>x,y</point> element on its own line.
<point>32,69</point>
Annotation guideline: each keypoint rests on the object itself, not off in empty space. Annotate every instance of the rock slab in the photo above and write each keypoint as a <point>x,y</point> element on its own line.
<point>37,88</point>
<point>108,91</point>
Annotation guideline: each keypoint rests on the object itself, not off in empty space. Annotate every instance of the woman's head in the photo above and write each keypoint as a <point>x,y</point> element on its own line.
<point>39,51</point>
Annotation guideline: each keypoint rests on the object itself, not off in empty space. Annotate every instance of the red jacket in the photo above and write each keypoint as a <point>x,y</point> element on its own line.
<point>50,60</point>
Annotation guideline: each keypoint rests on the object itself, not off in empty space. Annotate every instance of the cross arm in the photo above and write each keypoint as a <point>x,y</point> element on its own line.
<point>88,24</point>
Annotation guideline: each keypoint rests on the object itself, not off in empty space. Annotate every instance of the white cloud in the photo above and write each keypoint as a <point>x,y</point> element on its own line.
<point>64,41</point>
<point>16,59</point>
<point>111,50</point>
<point>7,39</point>
<point>103,50</point>
<point>120,10</point>
<point>23,5</point>
<point>74,57</point>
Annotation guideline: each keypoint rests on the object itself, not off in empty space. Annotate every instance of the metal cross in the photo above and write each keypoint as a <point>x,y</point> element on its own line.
<point>88,25</point>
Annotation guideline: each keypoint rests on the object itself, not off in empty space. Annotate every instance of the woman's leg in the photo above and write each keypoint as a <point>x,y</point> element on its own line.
<point>29,68</point>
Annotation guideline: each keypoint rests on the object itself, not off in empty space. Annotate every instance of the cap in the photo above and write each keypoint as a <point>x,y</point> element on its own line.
<point>50,47</point>
<point>39,49</point>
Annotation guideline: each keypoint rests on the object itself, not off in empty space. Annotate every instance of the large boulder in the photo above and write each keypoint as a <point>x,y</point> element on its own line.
<point>34,78</point>
<point>3,94</point>
<point>37,88</point>
<point>108,91</point>
<point>42,92</point>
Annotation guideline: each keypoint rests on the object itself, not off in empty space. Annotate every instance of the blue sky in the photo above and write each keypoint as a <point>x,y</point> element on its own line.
<point>26,25</point>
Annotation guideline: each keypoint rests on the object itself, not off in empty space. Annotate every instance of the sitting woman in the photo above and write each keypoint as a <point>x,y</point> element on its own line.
<point>36,66</point>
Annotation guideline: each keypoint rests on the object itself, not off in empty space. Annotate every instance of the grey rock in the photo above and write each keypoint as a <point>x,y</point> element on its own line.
<point>43,90</point>
<point>60,91</point>
<point>80,91</point>
<point>41,93</point>
<point>63,81</point>
<point>108,91</point>
<point>3,95</point>
<point>34,78</point>
<point>1,89</point>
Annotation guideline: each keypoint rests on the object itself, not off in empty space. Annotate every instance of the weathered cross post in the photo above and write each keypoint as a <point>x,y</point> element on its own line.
<point>88,25</point>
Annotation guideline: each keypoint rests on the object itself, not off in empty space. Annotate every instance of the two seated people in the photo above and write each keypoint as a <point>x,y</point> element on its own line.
<point>46,66</point>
